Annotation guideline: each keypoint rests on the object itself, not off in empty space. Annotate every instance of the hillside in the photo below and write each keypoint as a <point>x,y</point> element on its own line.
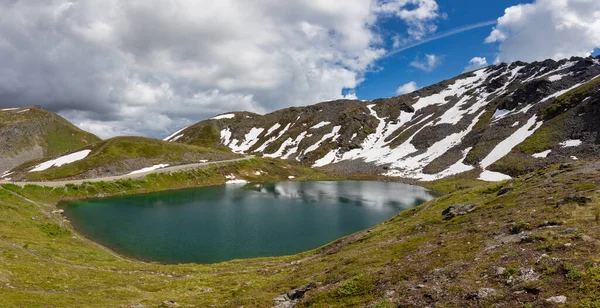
<point>529,242</point>
<point>477,120</point>
<point>115,156</point>
<point>31,132</point>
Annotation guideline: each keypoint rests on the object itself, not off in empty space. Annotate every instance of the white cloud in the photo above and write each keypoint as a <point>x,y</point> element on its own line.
<point>548,29</point>
<point>428,64</point>
<point>407,88</point>
<point>475,63</point>
<point>152,66</point>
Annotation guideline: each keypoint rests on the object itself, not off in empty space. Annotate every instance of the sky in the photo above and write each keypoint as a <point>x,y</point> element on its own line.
<point>151,67</point>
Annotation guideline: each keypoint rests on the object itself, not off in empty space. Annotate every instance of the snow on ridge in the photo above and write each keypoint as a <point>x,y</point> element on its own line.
<point>542,154</point>
<point>250,139</point>
<point>571,143</point>
<point>334,133</point>
<point>456,168</point>
<point>63,160</point>
<point>491,176</point>
<point>404,165</point>
<point>272,129</point>
<point>8,109</point>
<point>148,169</point>
<point>175,134</point>
<point>225,136</point>
<point>322,124</point>
<point>224,116</point>
<point>272,139</point>
<point>505,146</point>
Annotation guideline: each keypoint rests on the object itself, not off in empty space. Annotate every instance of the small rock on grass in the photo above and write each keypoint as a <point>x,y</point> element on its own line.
<point>561,299</point>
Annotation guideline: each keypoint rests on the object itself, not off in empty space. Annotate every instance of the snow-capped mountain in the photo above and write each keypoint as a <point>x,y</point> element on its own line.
<point>505,118</point>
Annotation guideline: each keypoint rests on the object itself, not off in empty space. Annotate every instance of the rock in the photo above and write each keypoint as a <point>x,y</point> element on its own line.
<point>500,271</point>
<point>170,303</point>
<point>458,210</point>
<point>503,191</point>
<point>569,231</point>
<point>208,290</point>
<point>581,200</point>
<point>299,293</point>
<point>527,275</point>
<point>486,292</point>
<point>557,299</point>
<point>59,211</point>
<point>281,298</point>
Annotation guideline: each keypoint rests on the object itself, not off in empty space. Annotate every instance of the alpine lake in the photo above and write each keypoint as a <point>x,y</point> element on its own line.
<point>238,221</point>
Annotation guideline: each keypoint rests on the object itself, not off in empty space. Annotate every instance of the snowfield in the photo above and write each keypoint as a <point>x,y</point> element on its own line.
<point>63,160</point>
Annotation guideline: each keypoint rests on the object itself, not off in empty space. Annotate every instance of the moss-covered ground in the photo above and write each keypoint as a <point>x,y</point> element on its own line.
<point>546,243</point>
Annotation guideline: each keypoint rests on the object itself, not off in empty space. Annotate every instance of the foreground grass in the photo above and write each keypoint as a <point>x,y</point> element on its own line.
<point>415,259</point>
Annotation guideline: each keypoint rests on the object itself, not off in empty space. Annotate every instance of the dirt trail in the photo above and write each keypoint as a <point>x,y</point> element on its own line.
<point>129,176</point>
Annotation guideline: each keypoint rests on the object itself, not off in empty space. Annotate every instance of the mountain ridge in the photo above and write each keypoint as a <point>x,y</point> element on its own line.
<point>440,130</point>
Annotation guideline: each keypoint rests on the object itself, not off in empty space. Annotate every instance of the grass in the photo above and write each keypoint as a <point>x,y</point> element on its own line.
<point>569,99</point>
<point>414,259</point>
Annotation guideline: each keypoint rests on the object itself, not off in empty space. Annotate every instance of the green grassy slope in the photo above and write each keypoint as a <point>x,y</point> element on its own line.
<point>537,240</point>
<point>121,155</point>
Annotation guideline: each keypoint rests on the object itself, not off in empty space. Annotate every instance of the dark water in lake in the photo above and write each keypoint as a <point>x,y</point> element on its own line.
<point>220,223</point>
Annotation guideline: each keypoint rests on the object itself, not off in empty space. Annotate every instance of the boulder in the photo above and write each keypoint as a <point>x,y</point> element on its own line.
<point>458,210</point>
<point>561,299</point>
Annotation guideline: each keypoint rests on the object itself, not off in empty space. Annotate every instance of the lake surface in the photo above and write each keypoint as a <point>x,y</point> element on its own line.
<point>220,223</point>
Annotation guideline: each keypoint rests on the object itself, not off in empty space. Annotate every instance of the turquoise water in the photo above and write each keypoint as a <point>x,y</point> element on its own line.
<point>220,223</point>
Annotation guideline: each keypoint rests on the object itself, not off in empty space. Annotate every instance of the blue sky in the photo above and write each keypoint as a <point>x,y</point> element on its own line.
<point>455,51</point>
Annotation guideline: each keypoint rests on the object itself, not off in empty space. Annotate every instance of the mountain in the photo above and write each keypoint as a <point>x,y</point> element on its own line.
<point>31,132</point>
<point>503,120</point>
<point>115,156</point>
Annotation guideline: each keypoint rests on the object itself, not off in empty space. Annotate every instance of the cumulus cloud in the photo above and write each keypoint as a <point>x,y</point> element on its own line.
<point>150,67</point>
<point>475,63</point>
<point>548,29</point>
<point>428,63</point>
<point>407,88</point>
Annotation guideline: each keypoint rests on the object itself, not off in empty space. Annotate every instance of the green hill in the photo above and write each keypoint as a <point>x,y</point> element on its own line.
<point>118,156</point>
<point>31,132</point>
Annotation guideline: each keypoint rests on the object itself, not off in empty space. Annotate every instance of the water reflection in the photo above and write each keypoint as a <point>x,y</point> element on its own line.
<point>219,223</point>
<point>357,193</point>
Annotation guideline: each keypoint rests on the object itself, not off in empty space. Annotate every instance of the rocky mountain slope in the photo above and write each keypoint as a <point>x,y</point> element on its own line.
<point>115,156</point>
<point>31,133</point>
<point>503,120</point>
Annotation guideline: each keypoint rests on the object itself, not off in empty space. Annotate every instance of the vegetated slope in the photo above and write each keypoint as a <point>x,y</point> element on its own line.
<point>466,123</point>
<point>31,132</point>
<point>529,242</point>
<point>116,156</point>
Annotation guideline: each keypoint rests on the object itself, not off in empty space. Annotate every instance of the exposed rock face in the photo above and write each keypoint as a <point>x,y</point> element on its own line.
<point>476,120</point>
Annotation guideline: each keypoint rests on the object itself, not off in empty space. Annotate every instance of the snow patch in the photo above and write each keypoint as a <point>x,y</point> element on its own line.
<point>148,169</point>
<point>224,116</point>
<point>272,129</point>
<point>542,154</point>
<point>334,133</point>
<point>512,141</point>
<point>238,181</point>
<point>63,160</point>
<point>456,168</point>
<point>250,139</point>
<point>322,124</point>
<point>175,134</point>
<point>490,176</point>
<point>571,143</point>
